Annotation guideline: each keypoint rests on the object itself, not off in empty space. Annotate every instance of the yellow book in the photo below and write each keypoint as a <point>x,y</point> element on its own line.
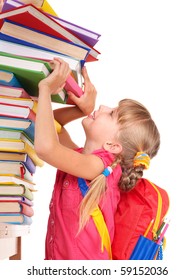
<point>46,7</point>
<point>20,146</point>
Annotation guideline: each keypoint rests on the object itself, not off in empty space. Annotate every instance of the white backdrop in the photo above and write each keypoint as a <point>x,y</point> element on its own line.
<point>147,53</point>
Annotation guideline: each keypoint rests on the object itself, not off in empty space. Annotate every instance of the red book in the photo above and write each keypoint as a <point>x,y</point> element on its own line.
<point>32,17</point>
<point>26,209</point>
<point>13,92</point>
<point>17,111</point>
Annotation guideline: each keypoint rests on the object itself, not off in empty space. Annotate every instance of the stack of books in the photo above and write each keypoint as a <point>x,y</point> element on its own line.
<point>18,159</point>
<point>30,36</point>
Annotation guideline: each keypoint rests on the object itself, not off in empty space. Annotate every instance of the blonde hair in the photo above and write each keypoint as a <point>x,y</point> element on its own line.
<point>137,132</point>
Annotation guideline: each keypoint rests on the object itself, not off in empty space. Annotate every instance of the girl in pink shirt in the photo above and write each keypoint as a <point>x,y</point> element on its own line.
<point>119,144</point>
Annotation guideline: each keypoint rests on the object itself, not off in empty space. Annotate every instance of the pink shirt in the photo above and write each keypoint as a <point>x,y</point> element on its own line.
<point>62,241</point>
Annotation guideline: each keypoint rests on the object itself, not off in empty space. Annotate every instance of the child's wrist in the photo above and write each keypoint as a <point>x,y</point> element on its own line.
<point>43,89</point>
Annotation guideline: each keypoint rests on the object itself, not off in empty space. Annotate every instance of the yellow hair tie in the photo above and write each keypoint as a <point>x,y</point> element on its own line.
<point>141,158</point>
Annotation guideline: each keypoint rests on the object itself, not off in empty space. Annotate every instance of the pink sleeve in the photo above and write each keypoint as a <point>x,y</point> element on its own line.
<point>105,156</point>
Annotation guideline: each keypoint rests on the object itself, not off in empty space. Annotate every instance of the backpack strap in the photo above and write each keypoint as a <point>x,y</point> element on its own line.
<point>99,221</point>
<point>158,213</point>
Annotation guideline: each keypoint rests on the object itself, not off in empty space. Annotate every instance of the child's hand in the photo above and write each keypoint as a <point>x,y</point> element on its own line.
<point>86,102</point>
<point>55,82</point>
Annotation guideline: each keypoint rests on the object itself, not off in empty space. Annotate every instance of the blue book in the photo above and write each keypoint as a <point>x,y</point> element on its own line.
<point>25,125</point>
<point>9,79</point>
<point>15,218</point>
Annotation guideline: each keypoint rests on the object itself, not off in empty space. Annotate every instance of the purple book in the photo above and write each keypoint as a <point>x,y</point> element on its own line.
<point>88,36</point>
<point>10,4</point>
<point>17,199</point>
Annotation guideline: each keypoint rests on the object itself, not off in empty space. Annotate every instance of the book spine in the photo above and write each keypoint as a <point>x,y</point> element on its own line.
<point>9,6</point>
<point>26,220</point>
<point>32,115</point>
<point>32,154</point>
<point>25,173</point>
<point>30,165</point>
<point>28,193</point>
<point>30,131</point>
<point>26,201</point>
<point>26,210</point>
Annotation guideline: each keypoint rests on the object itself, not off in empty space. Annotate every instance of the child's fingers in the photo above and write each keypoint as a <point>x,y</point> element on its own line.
<point>73,97</point>
<point>60,67</point>
<point>85,75</point>
<point>53,64</point>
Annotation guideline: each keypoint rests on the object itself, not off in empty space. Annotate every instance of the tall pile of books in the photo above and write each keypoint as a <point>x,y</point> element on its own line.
<point>18,159</point>
<point>30,36</point>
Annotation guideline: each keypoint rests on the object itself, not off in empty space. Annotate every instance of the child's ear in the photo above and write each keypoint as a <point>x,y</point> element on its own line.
<point>114,148</point>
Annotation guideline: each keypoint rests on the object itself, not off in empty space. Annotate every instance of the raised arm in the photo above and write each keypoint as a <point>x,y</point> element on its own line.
<point>47,143</point>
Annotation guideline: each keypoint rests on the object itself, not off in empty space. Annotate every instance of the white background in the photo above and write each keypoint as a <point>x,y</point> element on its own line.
<point>148,54</point>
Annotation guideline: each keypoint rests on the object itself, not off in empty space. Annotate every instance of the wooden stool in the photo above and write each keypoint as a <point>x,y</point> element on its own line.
<point>11,239</point>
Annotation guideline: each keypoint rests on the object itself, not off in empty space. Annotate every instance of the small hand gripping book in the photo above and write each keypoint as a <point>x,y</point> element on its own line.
<point>31,71</point>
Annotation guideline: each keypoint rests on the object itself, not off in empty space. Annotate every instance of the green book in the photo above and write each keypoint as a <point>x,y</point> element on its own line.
<point>16,190</point>
<point>29,73</point>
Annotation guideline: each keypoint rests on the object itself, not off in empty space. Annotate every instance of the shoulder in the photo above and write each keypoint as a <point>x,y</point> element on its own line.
<point>105,156</point>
